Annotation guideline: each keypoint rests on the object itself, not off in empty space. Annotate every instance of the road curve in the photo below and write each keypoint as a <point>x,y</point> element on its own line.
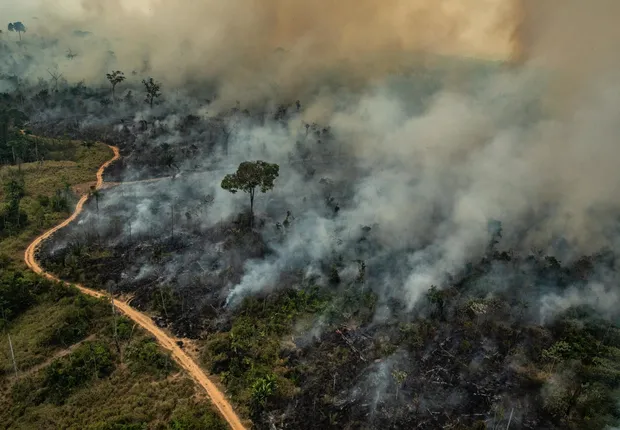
<point>186,362</point>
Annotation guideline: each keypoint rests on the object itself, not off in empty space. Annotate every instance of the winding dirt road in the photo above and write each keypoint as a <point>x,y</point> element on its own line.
<point>217,397</point>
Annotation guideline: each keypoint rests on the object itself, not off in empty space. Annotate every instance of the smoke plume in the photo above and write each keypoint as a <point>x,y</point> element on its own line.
<point>258,50</point>
<point>424,145</point>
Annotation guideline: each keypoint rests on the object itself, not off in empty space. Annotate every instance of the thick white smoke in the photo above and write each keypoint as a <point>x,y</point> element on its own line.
<point>431,148</point>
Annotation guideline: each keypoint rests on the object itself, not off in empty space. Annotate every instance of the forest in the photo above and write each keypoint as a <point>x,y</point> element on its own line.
<point>430,244</point>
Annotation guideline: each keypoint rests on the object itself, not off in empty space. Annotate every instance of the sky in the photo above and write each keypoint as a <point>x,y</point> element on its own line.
<point>15,10</point>
<point>475,18</point>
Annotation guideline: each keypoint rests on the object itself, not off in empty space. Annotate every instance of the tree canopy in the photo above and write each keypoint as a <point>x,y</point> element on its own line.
<point>152,90</point>
<point>9,117</point>
<point>115,78</point>
<point>17,27</point>
<point>249,176</point>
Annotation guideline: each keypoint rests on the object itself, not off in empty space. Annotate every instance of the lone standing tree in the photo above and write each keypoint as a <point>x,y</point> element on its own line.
<point>115,78</point>
<point>152,90</point>
<point>94,192</point>
<point>249,176</point>
<point>18,27</point>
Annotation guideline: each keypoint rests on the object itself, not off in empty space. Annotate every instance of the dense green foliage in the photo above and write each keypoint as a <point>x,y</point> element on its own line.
<point>16,295</point>
<point>62,377</point>
<point>12,217</point>
<point>146,356</point>
<point>12,143</point>
<point>248,356</point>
<point>51,316</point>
<point>191,417</point>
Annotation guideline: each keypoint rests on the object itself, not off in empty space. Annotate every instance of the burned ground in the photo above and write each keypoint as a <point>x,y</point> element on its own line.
<point>469,357</point>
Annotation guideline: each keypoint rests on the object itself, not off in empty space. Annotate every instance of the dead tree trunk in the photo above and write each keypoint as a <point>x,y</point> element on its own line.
<point>252,208</point>
<point>12,355</point>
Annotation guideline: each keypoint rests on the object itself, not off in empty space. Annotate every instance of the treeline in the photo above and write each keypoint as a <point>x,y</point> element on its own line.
<point>13,145</point>
<point>13,219</point>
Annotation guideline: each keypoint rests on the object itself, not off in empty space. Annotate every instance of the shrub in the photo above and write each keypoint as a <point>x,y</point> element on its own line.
<point>60,202</point>
<point>43,200</point>
<point>145,356</point>
<point>193,417</point>
<point>15,296</point>
<point>90,360</point>
<point>75,326</point>
<point>262,390</point>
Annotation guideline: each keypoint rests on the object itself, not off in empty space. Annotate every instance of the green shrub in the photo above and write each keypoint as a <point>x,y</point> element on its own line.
<point>59,201</point>
<point>15,296</point>
<point>194,417</point>
<point>44,201</point>
<point>124,328</point>
<point>88,361</point>
<point>75,327</point>
<point>145,356</point>
<point>262,390</point>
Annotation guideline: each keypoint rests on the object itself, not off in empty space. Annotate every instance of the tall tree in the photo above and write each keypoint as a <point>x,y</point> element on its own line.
<point>249,176</point>
<point>10,118</point>
<point>152,90</point>
<point>17,27</point>
<point>14,190</point>
<point>115,78</point>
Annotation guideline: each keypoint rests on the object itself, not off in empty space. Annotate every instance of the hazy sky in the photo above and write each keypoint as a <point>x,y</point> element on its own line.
<point>14,10</point>
<point>236,39</point>
<point>476,16</point>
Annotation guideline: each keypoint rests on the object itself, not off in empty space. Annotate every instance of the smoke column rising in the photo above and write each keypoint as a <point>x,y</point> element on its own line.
<point>533,145</point>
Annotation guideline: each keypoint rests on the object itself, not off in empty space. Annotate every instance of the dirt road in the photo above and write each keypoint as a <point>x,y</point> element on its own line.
<point>168,342</point>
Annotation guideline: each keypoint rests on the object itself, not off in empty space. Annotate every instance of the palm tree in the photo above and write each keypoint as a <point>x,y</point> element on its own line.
<point>17,27</point>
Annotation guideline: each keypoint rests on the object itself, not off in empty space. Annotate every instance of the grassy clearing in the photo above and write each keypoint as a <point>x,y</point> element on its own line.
<point>43,181</point>
<point>68,163</point>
